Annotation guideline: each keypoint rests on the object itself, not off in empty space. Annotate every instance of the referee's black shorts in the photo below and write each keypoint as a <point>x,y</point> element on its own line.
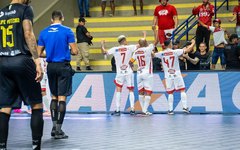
<point>17,82</point>
<point>60,78</point>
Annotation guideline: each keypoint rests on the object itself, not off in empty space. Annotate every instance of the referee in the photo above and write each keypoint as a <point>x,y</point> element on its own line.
<point>56,40</point>
<point>20,69</point>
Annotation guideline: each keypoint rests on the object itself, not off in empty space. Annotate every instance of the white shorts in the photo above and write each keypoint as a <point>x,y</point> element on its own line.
<point>174,84</point>
<point>44,82</point>
<point>128,78</point>
<point>145,82</point>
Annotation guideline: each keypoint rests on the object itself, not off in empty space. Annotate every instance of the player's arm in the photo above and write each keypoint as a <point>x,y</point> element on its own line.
<point>73,48</point>
<point>104,51</point>
<point>233,18</point>
<point>202,24</point>
<point>193,61</point>
<point>175,18</point>
<point>32,45</point>
<point>41,52</point>
<point>154,24</point>
<point>190,47</point>
<point>132,60</point>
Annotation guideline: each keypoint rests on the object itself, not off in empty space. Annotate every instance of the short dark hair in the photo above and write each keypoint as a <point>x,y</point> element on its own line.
<point>167,42</point>
<point>233,36</point>
<point>203,43</point>
<point>57,14</point>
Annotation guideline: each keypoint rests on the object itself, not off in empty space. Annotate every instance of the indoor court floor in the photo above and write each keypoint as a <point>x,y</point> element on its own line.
<point>156,132</point>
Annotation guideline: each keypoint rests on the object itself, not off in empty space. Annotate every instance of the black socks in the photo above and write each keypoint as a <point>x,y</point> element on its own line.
<point>4,120</point>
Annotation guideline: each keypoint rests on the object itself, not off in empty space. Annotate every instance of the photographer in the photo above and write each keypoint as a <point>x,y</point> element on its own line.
<point>84,40</point>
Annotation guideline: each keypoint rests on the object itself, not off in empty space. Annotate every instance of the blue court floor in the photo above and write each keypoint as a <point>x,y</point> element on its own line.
<point>157,132</point>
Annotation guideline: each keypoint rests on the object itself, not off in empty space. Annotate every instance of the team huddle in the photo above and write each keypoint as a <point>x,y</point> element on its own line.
<point>125,55</point>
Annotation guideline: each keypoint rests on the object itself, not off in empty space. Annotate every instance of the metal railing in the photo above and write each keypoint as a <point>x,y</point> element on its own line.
<point>190,23</point>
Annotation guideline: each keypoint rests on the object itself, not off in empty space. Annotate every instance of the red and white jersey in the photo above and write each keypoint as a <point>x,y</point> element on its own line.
<point>170,62</point>
<point>236,11</point>
<point>204,14</point>
<point>165,16</point>
<point>143,55</point>
<point>218,35</point>
<point>122,55</point>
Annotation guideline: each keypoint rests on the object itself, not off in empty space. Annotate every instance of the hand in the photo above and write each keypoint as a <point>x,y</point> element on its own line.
<point>230,20</point>
<point>185,56</point>
<point>39,70</point>
<point>193,41</point>
<point>153,27</point>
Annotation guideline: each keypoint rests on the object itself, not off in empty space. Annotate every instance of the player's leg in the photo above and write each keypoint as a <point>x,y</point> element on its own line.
<point>141,6</point>
<point>64,89</point>
<point>134,7</point>
<point>119,79</point>
<point>130,85</point>
<point>170,89</point>
<point>103,6</point>
<point>140,91</point>
<point>180,86</point>
<point>4,126</point>
<point>148,84</point>
<point>112,5</point>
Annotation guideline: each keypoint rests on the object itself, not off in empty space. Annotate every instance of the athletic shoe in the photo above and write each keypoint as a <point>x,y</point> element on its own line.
<point>171,112</point>
<point>186,110</point>
<point>60,135</point>
<point>78,69</point>
<point>53,131</point>
<point>132,112</point>
<point>116,113</point>
<point>88,68</point>
<point>147,113</point>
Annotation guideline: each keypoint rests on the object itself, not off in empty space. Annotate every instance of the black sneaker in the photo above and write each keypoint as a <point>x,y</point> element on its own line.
<point>60,135</point>
<point>132,112</point>
<point>78,69</point>
<point>186,111</point>
<point>53,131</point>
<point>116,113</point>
<point>171,112</point>
<point>88,68</point>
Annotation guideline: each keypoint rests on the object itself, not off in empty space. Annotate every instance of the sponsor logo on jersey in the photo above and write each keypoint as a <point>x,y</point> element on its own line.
<point>53,30</point>
<point>168,53</point>
<point>140,52</point>
<point>163,12</point>
<point>121,49</point>
<point>13,12</point>
<point>204,14</point>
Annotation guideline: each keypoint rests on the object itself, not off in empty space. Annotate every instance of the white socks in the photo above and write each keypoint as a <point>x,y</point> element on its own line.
<point>170,102</point>
<point>118,100</point>
<point>46,103</point>
<point>184,99</point>
<point>146,103</point>
<point>131,98</point>
<point>141,101</point>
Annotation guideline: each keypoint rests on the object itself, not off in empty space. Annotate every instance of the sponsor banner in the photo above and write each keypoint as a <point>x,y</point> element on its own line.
<point>207,92</point>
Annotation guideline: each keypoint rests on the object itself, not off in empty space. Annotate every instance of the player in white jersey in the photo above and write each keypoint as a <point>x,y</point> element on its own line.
<point>122,55</point>
<point>172,73</point>
<point>44,87</point>
<point>143,55</point>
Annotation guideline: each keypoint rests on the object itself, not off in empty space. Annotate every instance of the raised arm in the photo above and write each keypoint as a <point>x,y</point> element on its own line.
<point>32,45</point>
<point>190,47</point>
<point>104,51</point>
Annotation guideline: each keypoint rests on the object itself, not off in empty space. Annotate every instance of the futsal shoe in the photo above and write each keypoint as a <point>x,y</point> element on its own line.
<point>116,113</point>
<point>60,135</point>
<point>171,112</point>
<point>53,131</point>
<point>186,111</point>
<point>132,112</point>
<point>146,113</point>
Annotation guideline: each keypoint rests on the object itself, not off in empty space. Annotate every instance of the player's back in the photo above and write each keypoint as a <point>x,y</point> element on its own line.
<point>170,61</point>
<point>11,29</point>
<point>122,55</point>
<point>143,55</point>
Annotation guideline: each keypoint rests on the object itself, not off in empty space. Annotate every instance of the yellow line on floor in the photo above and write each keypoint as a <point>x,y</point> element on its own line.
<point>152,7</point>
<point>138,18</point>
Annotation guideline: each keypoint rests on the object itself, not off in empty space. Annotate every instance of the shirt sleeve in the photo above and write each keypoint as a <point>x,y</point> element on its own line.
<point>40,40</point>
<point>211,28</point>
<point>195,11</point>
<point>28,13</point>
<point>159,55</point>
<point>111,51</point>
<point>156,11</point>
<point>179,52</point>
<point>132,47</point>
<point>235,10</point>
<point>70,36</point>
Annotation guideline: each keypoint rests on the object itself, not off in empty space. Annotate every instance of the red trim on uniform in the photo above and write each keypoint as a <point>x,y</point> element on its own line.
<point>180,89</point>
<point>141,90</point>
<point>130,87</point>
<point>148,92</point>
<point>44,89</point>
<point>118,85</point>
<point>170,92</point>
